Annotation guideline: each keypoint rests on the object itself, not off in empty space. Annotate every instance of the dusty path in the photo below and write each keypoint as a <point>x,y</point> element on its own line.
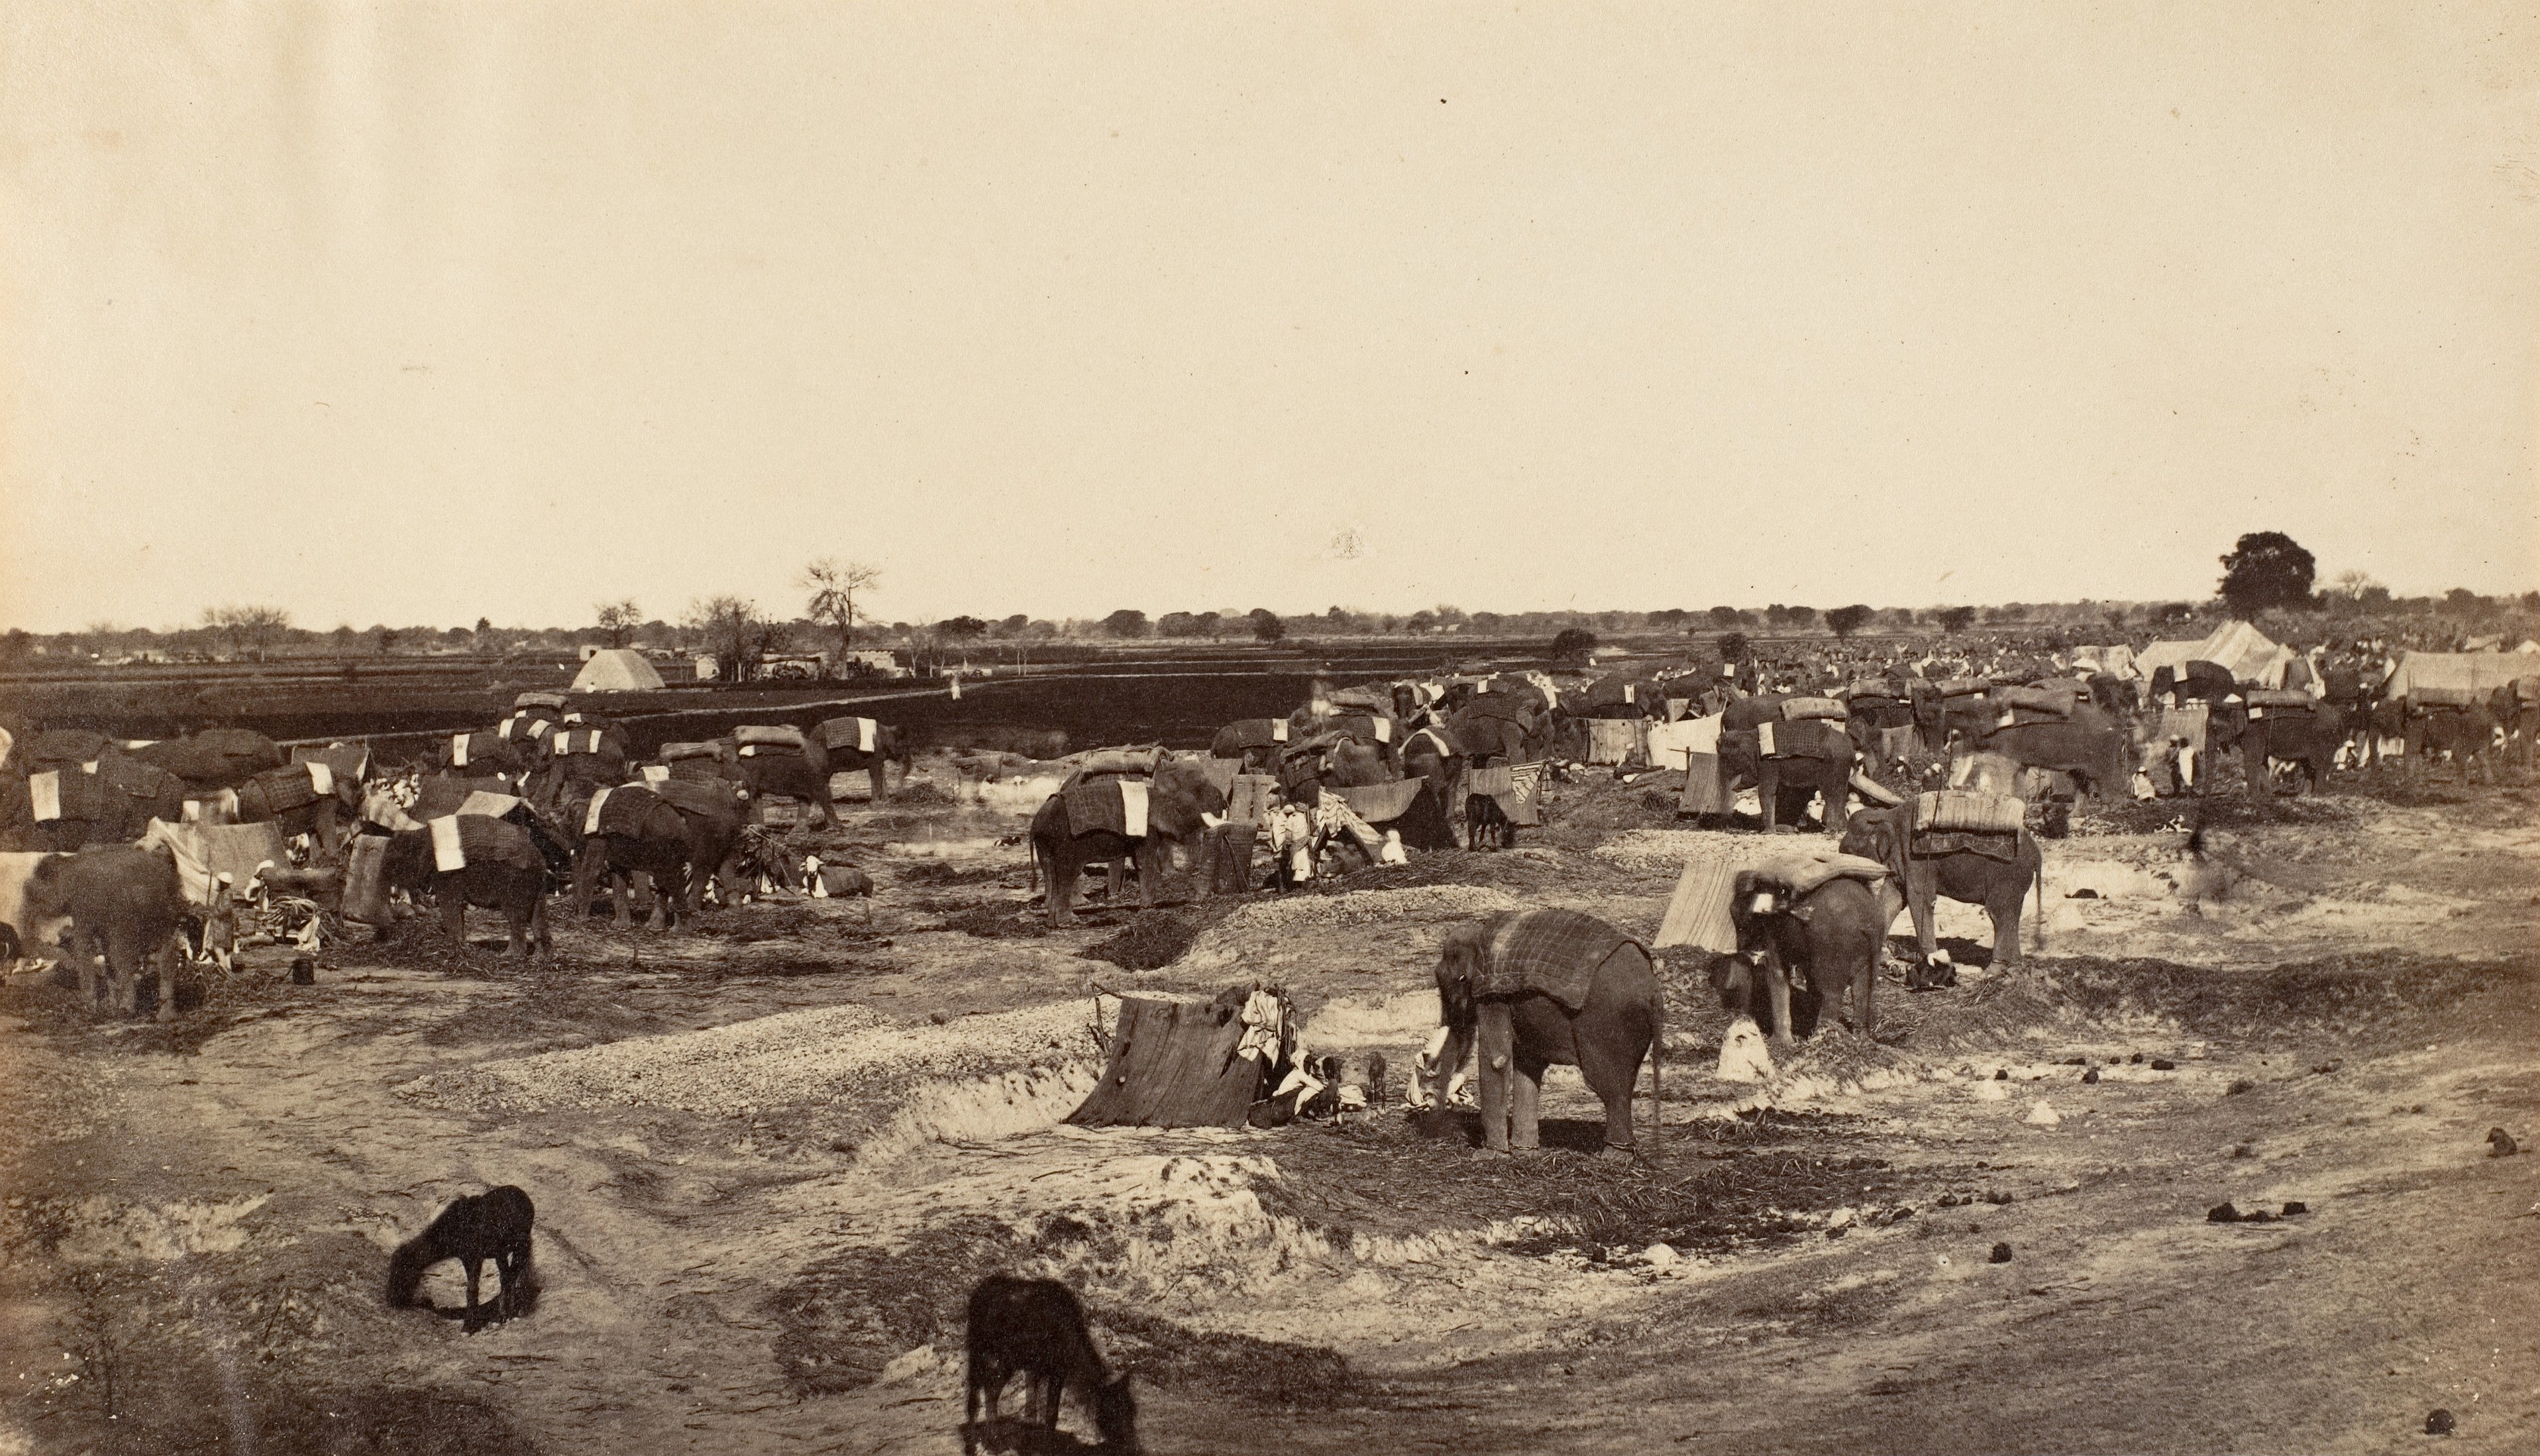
<point>203,1214</point>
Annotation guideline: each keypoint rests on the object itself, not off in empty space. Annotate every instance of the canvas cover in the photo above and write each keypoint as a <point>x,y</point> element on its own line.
<point>2055,702</point>
<point>55,748</point>
<point>2245,652</point>
<point>2457,679</point>
<point>858,734</point>
<point>1364,727</point>
<point>1668,744</point>
<point>1808,738</point>
<point>676,752</point>
<point>538,699</point>
<point>1248,795</point>
<point>619,811</point>
<point>1698,912</point>
<point>1175,1064</point>
<point>1706,791</point>
<point>1115,805</point>
<point>1966,812</point>
<point>616,670</point>
<point>693,796</point>
<point>1548,952</point>
<point>1795,709</point>
<point>1109,761</point>
<point>1962,687</point>
<point>1809,865</point>
<point>768,736</point>
<point>1515,788</point>
<point>1616,740</point>
<point>279,792</point>
<point>349,763</point>
<point>1382,803</point>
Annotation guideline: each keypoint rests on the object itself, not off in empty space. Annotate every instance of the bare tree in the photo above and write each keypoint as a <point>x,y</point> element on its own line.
<point>248,629</point>
<point>739,637</point>
<point>833,585</point>
<point>618,618</point>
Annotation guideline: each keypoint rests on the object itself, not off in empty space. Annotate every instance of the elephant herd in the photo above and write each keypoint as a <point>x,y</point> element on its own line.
<point>495,818</point>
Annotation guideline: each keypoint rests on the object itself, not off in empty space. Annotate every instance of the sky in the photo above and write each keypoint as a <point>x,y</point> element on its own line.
<point>419,313</point>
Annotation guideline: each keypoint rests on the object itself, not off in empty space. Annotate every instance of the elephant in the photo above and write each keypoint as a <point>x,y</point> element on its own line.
<point>122,901</point>
<point>1493,728</point>
<point>1432,753</point>
<point>1177,796</point>
<point>1811,757</point>
<point>2468,734</point>
<point>713,812</point>
<point>488,751</point>
<point>1804,952</point>
<point>506,869</point>
<point>215,758</point>
<point>639,837</point>
<point>1961,707</point>
<point>1335,759</point>
<point>2307,735</point>
<point>1959,872</point>
<point>1506,985</point>
<point>840,741</point>
<point>113,804</point>
<point>1873,708</point>
<point>288,798</point>
<point>2091,746</point>
<point>1257,744</point>
<point>440,794</point>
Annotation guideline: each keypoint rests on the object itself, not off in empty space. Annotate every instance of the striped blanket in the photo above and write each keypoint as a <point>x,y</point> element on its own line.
<point>1514,787</point>
<point>1553,952</point>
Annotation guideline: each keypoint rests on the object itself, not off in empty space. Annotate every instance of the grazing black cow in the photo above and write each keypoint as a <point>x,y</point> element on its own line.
<point>493,1225</point>
<point>1035,1327</point>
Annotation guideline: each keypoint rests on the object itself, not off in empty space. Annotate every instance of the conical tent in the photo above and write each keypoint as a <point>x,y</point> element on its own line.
<point>617,670</point>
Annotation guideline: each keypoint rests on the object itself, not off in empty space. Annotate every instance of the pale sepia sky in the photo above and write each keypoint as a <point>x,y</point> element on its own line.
<point>416,312</point>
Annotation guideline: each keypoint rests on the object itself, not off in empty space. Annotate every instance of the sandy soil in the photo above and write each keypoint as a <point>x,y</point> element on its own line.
<point>771,1155</point>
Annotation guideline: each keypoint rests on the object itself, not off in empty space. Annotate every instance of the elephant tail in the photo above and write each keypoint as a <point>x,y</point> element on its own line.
<point>1032,845</point>
<point>2041,898</point>
<point>1658,1054</point>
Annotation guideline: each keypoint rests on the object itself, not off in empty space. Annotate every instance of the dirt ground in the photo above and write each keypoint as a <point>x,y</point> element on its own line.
<point>771,1154</point>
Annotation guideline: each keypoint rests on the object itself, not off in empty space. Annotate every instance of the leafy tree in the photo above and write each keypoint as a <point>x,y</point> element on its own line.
<point>1208,625</point>
<point>1777,614</point>
<point>2177,613</point>
<point>737,635</point>
<point>835,585</point>
<point>2265,569</point>
<point>1266,626</point>
<point>1800,616</point>
<point>1178,624</point>
<point>961,629</point>
<point>1573,642</point>
<point>1013,626</point>
<point>17,645</point>
<point>1487,622</point>
<point>2463,601</point>
<point>484,625</point>
<point>1845,620</point>
<point>1956,619</point>
<point>618,619</point>
<point>1126,623</point>
<point>1735,648</point>
<point>1724,617</point>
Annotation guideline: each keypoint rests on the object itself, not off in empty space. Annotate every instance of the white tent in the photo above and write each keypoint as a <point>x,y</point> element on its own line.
<point>618,669</point>
<point>2252,660</point>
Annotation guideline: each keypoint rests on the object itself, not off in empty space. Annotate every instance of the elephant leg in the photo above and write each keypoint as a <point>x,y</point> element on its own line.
<point>1064,869</point>
<point>586,869</point>
<point>1151,857</point>
<point>1837,790</point>
<point>1777,991</point>
<point>1497,1048</point>
<point>86,946</point>
<point>1526,1104</point>
<point>1768,792</point>
<point>652,887</point>
<point>453,911</point>
<point>539,934</point>
<point>618,889</point>
<point>169,954</point>
<point>2005,915</point>
<point>1920,892</point>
